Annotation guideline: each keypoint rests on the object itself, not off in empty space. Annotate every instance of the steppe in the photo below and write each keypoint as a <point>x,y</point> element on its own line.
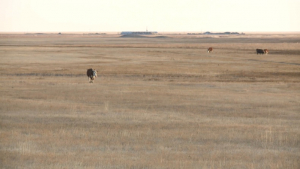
<point>159,101</point>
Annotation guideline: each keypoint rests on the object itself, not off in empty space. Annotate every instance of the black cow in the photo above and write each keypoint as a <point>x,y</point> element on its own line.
<point>92,74</point>
<point>260,51</point>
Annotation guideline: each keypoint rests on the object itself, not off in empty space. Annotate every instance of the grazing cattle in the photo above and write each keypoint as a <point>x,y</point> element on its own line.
<point>266,51</point>
<point>260,51</point>
<point>92,74</point>
<point>210,49</point>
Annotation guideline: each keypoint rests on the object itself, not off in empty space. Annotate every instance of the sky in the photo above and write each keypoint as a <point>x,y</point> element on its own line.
<point>154,15</point>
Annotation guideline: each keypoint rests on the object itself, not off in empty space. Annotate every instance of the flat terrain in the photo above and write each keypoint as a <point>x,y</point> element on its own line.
<point>160,101</point>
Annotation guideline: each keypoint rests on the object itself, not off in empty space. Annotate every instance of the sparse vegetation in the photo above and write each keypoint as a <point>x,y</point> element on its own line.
<point>157,102</point>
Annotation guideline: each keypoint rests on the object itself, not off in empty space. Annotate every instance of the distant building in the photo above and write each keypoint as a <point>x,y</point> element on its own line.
<point>206,33</point>
<point>138,33</point>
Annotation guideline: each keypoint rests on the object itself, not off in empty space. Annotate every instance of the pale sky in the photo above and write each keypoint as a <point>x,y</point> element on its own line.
<point>156,15</point>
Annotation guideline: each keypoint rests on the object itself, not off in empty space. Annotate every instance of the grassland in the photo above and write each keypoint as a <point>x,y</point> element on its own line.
<point>159,102</point>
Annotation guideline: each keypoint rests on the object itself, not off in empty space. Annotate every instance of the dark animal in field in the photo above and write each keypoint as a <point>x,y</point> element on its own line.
<point>210,49</point>
<point>92,74</point>
<point>266,51</point>
<point>260,51</point>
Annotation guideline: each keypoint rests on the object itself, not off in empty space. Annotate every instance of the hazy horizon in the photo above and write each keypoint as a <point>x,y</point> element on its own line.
<point>160,32</point>
<point>162,16</point>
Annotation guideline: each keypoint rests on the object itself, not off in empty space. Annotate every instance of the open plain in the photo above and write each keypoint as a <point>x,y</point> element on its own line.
<point>159,101</point>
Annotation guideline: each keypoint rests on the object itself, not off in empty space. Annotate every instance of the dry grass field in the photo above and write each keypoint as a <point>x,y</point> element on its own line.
<point>158,102</point>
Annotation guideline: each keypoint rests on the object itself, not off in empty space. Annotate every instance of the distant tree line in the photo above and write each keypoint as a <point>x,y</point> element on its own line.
<point>217,33</point>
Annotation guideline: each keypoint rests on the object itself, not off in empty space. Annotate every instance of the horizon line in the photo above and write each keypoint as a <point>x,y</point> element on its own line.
<point>116,32</point>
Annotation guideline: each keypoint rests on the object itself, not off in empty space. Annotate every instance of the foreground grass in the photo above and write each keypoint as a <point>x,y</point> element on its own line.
<point>137,125</point>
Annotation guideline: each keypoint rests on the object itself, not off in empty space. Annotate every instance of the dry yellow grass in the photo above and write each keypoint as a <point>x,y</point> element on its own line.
<point>157,103</point>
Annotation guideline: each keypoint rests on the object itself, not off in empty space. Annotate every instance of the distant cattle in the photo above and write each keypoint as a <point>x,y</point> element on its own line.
<point>210,49</point>
<point>266,51</point>
<point>260,51</point>
<point>92,74</point>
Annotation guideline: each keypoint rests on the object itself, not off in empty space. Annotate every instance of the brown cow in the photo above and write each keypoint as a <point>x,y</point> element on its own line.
<point>266,51</point>
<point>92,74</point>
<point>210,49</point>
